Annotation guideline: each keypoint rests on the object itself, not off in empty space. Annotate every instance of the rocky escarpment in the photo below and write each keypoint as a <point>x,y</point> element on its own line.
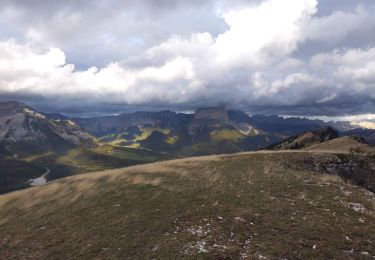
<point>357,168</point>
<point>208,118</point>
<point>218,114</point>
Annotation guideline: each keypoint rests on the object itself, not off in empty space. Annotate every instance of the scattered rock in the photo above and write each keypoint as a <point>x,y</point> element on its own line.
<point>357,207</point>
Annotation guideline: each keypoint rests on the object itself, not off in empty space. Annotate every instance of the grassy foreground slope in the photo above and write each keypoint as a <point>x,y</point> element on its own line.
<point>248,206</point>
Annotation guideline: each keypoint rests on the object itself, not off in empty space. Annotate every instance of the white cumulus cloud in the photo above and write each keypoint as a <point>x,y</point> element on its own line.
<point>252,61</point>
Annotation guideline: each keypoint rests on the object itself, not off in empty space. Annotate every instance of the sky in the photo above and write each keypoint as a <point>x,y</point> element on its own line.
<point>291,57</point>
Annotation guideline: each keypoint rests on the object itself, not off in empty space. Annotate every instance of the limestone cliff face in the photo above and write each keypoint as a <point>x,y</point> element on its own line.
<point>208,118</point>
<point>212,113</point>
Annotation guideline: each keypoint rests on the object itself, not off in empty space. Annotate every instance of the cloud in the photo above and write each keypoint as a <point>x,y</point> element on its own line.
<point>342,26</point>
<point>105,31</point>
<point>352,68</point>
<point>243,54</point>
<point>259,33</point>
<point>23,69</point>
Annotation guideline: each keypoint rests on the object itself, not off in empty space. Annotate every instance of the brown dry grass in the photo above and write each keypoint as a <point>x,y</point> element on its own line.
<point>344,144</point>
<point>243,205</point>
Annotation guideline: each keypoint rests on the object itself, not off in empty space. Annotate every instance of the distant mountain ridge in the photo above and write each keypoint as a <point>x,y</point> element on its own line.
<point>268,123</point>
<point>24,129</point>
<point>209,130</point>
<point>105,125</point>
<point>207,125</point>
<point>306,139</point>
<point>32,141</point>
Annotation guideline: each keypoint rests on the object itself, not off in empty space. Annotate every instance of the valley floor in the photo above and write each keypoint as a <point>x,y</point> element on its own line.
<point>262,205</point>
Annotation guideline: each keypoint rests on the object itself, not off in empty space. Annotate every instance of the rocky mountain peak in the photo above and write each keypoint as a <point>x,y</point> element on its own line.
<point>208,118</point>
<point>21,127</point>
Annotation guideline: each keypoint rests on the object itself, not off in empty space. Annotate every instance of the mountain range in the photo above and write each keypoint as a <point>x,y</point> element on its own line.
<point>208,130</point>
<point>31,141</point>
<point>306,194</point>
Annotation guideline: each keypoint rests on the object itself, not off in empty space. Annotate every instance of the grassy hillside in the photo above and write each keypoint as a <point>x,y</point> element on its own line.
<point>132,139</point>
<point>346,144</point>
<point>87,159</point>
<point>306,139</point>
<point>15,172</point>
<point>250,206</point>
